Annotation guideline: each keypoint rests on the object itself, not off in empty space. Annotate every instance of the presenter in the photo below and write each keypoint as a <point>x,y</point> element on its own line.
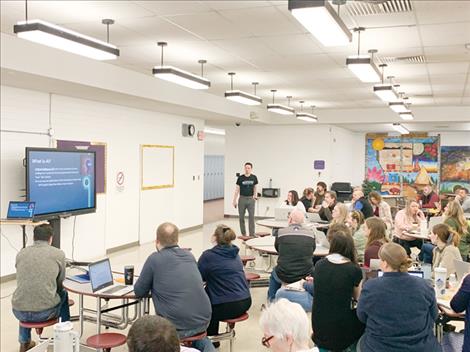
<point>245,197</point>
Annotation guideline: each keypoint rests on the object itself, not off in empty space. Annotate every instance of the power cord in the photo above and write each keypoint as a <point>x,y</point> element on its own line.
<point>73,237</point>
<point>8,240</point>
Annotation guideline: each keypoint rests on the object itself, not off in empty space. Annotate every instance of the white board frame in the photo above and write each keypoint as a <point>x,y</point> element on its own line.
<point>146,185</point>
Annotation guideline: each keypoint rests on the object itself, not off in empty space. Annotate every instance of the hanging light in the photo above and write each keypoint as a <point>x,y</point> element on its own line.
<point>242,97</point>
<point>407,116</point>
<point>54,36</point>
<point>181,77</point>
<point>386,92</point>
<point>400,105</point>
<point>212,130</point>
<point>400,128</point>
<point>363,66</point>
<point>305,116</point>
<point>320,19</point>
<point>280,109</point>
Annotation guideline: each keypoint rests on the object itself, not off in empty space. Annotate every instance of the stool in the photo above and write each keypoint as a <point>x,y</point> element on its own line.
<point>188,341</point>
<point>244,237</point>
<point>71,302</point>
<point>251,276</point>
<point>247,258</point>
<point>106,341</point>
<point>230,329</point>
<point>39,326</point>
<point>262,234</point>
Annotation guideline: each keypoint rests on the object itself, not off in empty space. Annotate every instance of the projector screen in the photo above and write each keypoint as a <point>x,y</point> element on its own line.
<point>60,182</point>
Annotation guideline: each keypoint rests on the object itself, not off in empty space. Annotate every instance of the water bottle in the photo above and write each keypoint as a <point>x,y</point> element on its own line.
<point>452,281</point>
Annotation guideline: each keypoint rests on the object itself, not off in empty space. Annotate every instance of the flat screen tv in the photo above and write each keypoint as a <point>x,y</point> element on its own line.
<point>61,182</point>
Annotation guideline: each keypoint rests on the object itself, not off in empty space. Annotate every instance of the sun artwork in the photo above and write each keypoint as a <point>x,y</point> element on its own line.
<point>378,144</point>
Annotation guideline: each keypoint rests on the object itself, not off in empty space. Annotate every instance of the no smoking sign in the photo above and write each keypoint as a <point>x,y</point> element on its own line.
<point>120,181</point>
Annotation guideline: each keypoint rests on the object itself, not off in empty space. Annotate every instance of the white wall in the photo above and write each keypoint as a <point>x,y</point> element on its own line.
<point>456,139</point>
<point>123,216</point>
<point>286,154</point>
<point>214,144</point>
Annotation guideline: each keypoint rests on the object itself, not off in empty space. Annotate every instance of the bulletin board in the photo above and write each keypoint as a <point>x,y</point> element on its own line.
<point>157,166</point>
<point>455,168</point>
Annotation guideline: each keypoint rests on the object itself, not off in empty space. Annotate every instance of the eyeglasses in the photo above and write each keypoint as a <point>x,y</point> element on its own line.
<point>265,341</point>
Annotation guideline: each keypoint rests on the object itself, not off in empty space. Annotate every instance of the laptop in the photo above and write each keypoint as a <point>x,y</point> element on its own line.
<point>21,210</point>
<point>313,217</point>
<point>416,273</point>
<point>102,282</point>
<point>282,214</point>
<point>461,268</point>
<point>321,239</point>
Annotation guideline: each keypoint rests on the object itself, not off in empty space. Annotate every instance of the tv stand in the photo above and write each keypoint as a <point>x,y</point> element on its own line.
<point>55,223</point>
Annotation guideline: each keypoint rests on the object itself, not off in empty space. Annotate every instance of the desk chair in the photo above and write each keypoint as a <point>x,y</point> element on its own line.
<point>106,341</point>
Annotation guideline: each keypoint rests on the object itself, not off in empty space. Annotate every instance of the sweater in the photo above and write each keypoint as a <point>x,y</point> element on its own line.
<point>385,213</point>
<point>461,302</point>
<point>172,277</point>
<point>444,258</point>
<point>429,200</point>
<point>372,252</point>
<point>222,270</point>
<point>295,246</point>
<point>40,271</point>
<point>464,245</point>
<point>326,213</point>
<point>403,223</point>
<point>405,319</point>
<point>360,243</point>
<point>363,205</point>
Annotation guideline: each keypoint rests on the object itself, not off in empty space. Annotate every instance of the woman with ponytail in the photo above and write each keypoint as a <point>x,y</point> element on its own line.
<point>446,241</point>
<point>398,309</point>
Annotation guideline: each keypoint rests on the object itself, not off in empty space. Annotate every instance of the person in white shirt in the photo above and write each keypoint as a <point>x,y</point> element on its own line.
<point>293,201</point>
<point>285,327</point>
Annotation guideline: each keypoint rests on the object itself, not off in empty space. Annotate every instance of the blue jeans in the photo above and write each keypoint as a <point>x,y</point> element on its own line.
<point>426,253</point>
<point>61,310</point>
<point>274,284</point>
<point>304,298</point>
<point>204,345</point>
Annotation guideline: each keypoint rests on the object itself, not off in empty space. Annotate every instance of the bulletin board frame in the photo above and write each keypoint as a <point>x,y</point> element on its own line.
<point>146,187</point>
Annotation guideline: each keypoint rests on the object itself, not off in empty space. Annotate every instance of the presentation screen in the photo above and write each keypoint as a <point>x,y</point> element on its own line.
<point>60,182</point>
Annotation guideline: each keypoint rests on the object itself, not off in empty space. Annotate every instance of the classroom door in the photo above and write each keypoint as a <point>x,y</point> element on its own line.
<point>213,177</point>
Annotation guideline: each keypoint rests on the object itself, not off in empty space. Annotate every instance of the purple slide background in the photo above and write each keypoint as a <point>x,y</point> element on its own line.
<point>100,150</point>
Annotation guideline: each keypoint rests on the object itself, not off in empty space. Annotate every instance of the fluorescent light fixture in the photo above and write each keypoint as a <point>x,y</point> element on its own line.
<point>61,38</point>
<point>399,106</point>
<point>320,19</point>
<point>386,92</point>
<point>364,68</point>
<point>181,77</point>
<point>305,116</point>
<point>211,130</point>
<point>407,116</point>
<point>281,109</point>
<point>400,128</point>
<point>242,97</point>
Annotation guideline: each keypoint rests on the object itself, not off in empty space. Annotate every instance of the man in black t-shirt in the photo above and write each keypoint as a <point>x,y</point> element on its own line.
<point>245,197</point>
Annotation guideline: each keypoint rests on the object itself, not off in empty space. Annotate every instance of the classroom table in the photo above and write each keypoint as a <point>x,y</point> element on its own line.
<point>280,224</point>
<point>102,316</point>
<point>266,245</point>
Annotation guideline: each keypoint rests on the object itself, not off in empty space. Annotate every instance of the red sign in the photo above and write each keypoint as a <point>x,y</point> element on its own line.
<point>200,135</point>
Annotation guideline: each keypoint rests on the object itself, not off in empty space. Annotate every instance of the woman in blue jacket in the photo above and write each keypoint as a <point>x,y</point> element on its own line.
<point>399,310</point>
<point>222,269</point>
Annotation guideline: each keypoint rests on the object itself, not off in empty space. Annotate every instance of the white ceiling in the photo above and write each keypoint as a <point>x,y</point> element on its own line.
<point>261,41</point>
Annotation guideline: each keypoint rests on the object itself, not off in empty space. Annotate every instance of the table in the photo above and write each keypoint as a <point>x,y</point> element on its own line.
<point>280,224</point>
<point>23,224</point>
<point>266,245</point>
<point>417,235</point>
<point>101,314</point>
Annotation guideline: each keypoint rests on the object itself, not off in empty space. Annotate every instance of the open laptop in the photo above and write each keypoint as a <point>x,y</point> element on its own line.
<point>282,214</point>
<point>102,282</point>
<point>461,268</point>
<point>416,273</point>
<point>21,210</point>
<point>321,239</point>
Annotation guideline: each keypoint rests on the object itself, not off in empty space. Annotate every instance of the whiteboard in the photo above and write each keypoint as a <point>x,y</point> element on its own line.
<point>157,166</point>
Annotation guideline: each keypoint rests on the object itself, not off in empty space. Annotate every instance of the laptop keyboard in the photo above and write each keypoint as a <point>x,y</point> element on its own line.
<point>114,289</point>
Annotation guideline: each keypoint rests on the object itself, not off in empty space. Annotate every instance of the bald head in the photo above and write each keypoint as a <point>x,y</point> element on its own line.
<point>296,217</point>
<point>167,235</point>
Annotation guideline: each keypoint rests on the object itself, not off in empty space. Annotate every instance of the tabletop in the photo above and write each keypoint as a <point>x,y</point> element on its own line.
<point>280,224</point>
<point>266,244</point>
<point>22,222</point>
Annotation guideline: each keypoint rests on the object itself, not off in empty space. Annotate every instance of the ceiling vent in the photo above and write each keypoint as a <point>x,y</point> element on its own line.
<point>377,7</point>
<point>414,59</point>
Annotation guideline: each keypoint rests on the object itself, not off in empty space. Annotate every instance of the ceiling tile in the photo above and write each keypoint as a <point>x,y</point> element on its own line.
<point>446,34</point>
<point>235,5</point>
<point>180,7</point>
<point>429,12</point>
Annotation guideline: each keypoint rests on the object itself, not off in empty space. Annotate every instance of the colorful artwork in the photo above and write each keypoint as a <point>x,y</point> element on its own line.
<point>413,159</point>
<point>455,168</point>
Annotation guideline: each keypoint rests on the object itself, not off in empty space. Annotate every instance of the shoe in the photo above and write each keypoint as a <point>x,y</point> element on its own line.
<point>216,344</point>
<point>27,346</point>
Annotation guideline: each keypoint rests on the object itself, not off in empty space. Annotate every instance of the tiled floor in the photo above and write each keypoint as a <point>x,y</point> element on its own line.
<point>248,333</point>
<point>213,210</point>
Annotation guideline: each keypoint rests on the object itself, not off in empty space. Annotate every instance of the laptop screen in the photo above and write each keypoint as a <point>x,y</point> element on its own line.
<point>21,210</point>
<point>412,273</point>
<point>100,274</point>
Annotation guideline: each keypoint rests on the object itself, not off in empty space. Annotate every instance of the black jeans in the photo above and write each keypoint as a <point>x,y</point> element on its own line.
<point>224,311</point>
<point>409,244</point>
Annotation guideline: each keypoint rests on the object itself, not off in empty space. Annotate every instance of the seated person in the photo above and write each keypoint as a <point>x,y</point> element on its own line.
<point>152,333</point>
<point>376,234</point>
<point>406,220</point>
<point>429,199</point>
<point>172,277</point>
<point>381,208</point>
<point>327,206</point>
<point>463,198</point>
<point>285,327</point>
<point>361,203</point>
<point>445,251</point>
<point>408,309</point>
<point>339,214</point>
<point>293,201</point>
<point>355,221</point>
<point>295,246</point>
<point>222,270</point>
<point>319,196</point>
<point>454,217</point>
<point>39,295</point>
<point>307,199</point>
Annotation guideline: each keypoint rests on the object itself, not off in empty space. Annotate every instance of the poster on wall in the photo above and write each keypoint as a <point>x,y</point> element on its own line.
<point>413,160</point>
<point>100,149</point>
<point>455,168</point>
